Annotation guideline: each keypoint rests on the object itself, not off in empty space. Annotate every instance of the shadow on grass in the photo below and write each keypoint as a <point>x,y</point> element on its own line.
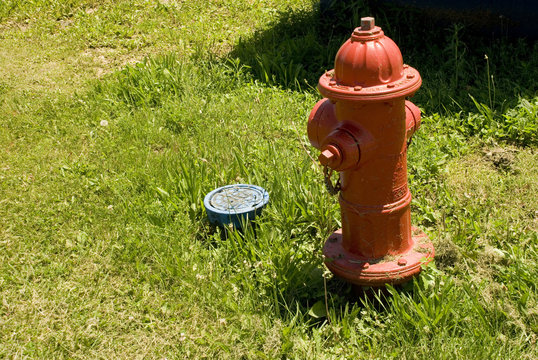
<point>454,60</point>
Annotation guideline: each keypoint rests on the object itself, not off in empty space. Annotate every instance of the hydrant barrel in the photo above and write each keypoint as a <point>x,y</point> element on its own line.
<point>363,127</point>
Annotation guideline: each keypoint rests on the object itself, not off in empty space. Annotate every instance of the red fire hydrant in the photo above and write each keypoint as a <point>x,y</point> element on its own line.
<point>363,127</point>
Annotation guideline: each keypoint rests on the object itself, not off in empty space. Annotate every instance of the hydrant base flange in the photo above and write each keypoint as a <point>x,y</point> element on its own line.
<point>390,269</point>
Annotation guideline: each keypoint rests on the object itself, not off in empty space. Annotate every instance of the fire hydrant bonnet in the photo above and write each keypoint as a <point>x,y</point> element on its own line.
<point>369,66</point>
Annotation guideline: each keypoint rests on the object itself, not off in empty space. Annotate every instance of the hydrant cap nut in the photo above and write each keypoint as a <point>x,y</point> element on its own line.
<point>367,23</point>
<point>326,157</point>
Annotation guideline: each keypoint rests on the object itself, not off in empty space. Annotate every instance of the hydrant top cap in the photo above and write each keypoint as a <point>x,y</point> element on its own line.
<point>369,66</point>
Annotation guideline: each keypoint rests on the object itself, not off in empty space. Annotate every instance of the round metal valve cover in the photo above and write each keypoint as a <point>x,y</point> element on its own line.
<point>235,204</point>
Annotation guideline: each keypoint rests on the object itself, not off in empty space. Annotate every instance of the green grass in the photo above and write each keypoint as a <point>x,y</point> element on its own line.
<point>119,116</point>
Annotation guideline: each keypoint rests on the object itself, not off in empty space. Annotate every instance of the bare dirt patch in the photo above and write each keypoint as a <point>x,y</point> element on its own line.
<point>504,179</point>
<point>501,158</point>
<point>104,60</point>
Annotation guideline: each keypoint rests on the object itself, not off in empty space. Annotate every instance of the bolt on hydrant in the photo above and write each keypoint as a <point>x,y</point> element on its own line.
<point>363,127</point>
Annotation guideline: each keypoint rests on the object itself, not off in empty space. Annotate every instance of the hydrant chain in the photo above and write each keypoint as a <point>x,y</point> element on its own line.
<point>331,189</point>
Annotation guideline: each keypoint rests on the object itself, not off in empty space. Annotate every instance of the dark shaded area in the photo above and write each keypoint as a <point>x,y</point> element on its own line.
<point>455,60</point>
<point>484,16</point>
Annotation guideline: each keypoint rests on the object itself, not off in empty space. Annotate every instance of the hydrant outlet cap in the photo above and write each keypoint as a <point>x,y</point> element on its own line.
<point>330,156</point>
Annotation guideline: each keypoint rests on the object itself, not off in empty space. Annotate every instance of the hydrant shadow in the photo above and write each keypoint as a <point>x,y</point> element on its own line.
<point>346,295</point>
<point>449,53</point>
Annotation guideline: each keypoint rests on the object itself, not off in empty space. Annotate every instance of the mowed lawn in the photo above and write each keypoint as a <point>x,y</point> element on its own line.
<point>117,117</point>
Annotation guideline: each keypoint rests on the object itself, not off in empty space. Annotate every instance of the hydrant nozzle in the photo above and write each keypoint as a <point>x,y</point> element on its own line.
<point>330,156</point>
<point>363,127</point>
